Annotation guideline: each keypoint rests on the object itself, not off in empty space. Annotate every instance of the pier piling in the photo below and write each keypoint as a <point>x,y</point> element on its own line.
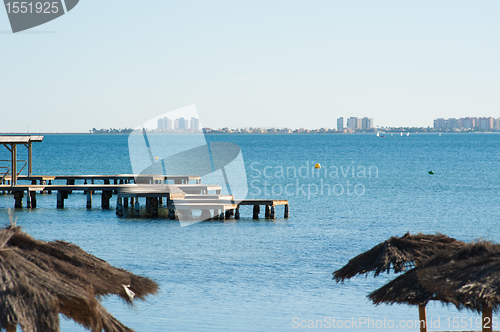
<point>89,199</point>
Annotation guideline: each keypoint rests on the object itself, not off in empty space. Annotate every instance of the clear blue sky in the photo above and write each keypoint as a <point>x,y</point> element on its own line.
<point>252,63</point>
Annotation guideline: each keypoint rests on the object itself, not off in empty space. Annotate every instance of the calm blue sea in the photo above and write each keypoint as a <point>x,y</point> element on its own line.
<point>276,275</point>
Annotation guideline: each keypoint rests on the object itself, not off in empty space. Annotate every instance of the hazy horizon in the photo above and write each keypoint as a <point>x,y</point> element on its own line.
<point>282,64</point>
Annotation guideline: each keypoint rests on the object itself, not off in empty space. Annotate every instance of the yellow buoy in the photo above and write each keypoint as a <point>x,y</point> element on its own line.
<point>156,158</point>
<point>317,166</point>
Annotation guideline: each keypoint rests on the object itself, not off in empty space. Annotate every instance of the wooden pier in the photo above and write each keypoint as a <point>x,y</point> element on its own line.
<point>174,198</point>
<point>179,195</point>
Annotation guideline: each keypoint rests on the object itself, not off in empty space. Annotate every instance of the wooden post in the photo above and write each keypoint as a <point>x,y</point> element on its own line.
<point>273,212</point>
<point>222,214</point>
<point>267,211</point>
<point>422,317</point>
<point>154,206</point>
<point>106,195</point>
<point>125,202</point>
<point>237,214</point>
<point>13,168</point>
<point>487,319</point>
<point>171,213</point>
<point>49,191</point>
<point>32,198</point>
<point>89,199</point>
<point>28,200</point>
<point>119,207</point>
<point>60,200</point>
<point>228,214</point>
<point>30,159</point>
<point>18,196</point>
<point>137,207</point>
<point>286,211</point>
<point>256,210</point>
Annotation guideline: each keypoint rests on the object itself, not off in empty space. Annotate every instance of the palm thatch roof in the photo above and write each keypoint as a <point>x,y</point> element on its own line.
<point>39,280</point>
<point>72,263</point>
<point>473,283</point>
<point>426,281</point>
<point>397,253</point>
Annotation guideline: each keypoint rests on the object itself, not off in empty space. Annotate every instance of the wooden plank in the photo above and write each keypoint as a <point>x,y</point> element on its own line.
<point>19,139</point>
<point>270,202</point>
<point>208,196</point>
<point>203,201</point>
<point>206,206</point>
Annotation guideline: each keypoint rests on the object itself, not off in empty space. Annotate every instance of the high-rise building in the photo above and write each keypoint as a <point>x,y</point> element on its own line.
<point>366,123</point>
<point>182,124</point>
<point>352,123</point>
<point>469,123</point>
<point>195,124</point>
<point>340,123</point>
<point>496,124</point>
<point>452,123</point>
<point>160,124</point>
<point>164,124</point>
<point>485,123</point>
<point>440,123</point>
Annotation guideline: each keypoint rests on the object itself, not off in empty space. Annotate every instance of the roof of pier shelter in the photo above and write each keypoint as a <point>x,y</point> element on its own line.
<point>20,139</point>
<point>14,141</point>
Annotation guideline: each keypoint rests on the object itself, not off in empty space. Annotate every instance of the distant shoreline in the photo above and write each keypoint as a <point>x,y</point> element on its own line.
<point>265,133</point>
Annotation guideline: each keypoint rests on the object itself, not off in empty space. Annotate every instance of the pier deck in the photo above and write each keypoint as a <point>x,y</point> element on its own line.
<point>178,197</point>
<point>122,178</point>
<point>181,195</point>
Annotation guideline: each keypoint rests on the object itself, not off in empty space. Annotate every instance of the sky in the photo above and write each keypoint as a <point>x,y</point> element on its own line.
<point>296,64</point>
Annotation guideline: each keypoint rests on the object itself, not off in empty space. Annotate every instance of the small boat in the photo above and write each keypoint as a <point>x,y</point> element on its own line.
<point>378,134</point>
<point>407,134</point>
<point>401,134</point>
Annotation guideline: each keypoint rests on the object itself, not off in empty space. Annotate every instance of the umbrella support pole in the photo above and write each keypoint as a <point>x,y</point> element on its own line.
<point>422,318</point>
<point>487,322</point>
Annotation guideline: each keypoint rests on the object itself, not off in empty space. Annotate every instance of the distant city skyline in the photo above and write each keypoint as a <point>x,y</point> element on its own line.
<point>477,123</point>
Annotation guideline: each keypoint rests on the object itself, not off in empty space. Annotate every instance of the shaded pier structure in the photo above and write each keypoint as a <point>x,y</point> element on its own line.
<point>11,142</point>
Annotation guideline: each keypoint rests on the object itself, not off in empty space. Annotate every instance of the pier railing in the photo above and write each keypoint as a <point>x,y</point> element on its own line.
<point>7,172</point>
<point>3,175</point>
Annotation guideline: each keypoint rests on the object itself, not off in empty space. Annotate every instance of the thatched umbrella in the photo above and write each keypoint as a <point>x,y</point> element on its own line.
<point>473,284</point>
<point>413,286</point>
<point>39,280</point>
<point>398,254</point>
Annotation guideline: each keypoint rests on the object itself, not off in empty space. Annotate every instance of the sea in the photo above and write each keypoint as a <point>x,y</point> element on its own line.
<point>276,275</point>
